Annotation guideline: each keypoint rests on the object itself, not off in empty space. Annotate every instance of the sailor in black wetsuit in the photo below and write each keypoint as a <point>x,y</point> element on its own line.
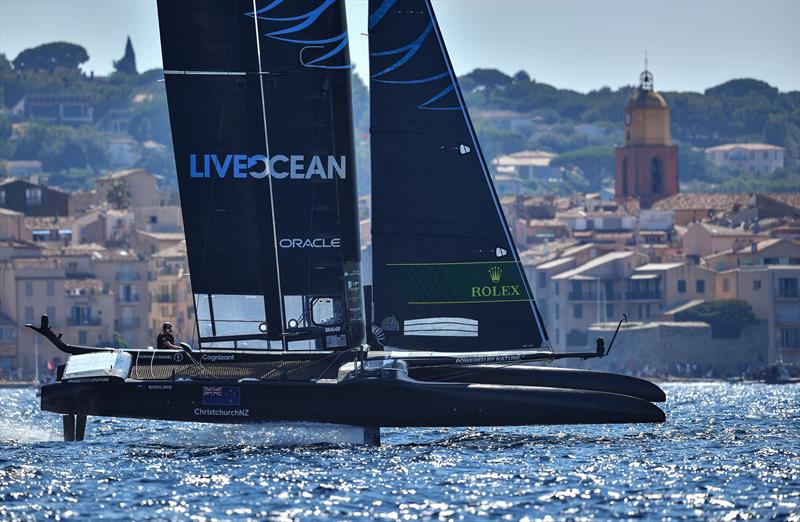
<point>165,340</point>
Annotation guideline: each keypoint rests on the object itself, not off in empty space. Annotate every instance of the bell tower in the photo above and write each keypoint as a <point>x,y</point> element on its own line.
<point>647,164</point>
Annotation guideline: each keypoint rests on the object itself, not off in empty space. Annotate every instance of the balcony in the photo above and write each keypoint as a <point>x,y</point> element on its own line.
<point>128,299</point>
<point>583,296</point>
<point>127,323</point>
<point>788,293</point>
<point>165,298</point>
<point>128,276</point>
<point>643,295</point>
<point>83,321</point>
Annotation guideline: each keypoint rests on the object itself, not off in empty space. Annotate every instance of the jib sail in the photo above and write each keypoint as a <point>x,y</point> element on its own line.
<point>447,276</point>
<point>259,99</point>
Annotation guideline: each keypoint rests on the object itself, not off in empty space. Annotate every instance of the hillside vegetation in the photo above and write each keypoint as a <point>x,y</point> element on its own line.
<point>744,110</point>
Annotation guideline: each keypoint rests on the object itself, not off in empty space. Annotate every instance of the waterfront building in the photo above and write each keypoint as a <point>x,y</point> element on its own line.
<point>773,291</point>
<point>775,251</point>
<point>528,165</point>
<point>647,163</point>
<point>142,187</point>
<point>126,275</point>
<point>702,239</point>
<point>596,291</point>
<point>33,199</point>
<point>171,293</point>
<point>751,157</point>
<point>56,108</point>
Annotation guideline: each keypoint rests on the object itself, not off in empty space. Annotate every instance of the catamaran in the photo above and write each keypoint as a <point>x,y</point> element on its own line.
<point>261,114</point>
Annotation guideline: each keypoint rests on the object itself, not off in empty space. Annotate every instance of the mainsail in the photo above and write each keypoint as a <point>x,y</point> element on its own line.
<point>260,108</point>
<point>446,272</point>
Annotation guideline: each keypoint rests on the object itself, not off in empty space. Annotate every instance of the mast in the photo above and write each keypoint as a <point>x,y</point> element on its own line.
<point>447,275</point>
<point>259,98</point>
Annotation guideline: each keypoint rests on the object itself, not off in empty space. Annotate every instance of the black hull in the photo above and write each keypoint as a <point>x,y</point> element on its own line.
<point>539,376</point>
<point>360,402</point>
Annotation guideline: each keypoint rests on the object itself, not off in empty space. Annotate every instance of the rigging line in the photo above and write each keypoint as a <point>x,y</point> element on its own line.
<point>271,194</point>
<point>482,160</point>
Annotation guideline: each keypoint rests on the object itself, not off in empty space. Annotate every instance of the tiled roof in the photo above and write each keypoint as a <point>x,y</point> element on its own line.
<point>685,201</point>
<point>594,263</point>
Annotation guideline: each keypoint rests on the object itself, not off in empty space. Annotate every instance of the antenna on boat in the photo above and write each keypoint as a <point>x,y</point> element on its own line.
<point>623,320</point>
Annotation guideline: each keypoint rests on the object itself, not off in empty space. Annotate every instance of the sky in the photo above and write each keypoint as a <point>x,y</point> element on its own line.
<point>573,44</point>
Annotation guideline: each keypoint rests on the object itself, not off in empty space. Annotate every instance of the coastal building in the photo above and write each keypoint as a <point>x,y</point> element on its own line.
<point>12,225</point>
<point>171,293</point>
<point>528,165</point>
<point>21,168</point>
<point>511,121</point>
<point>751,157</point>
<point>57,108</point>
<point>33,199</point>
<point>141,185</point>
<point>647,163</point>
<point>775,251</point>
<point>596,291</point>
<point>126,275</point>
<point>702,239</point>
<point>773,291</point>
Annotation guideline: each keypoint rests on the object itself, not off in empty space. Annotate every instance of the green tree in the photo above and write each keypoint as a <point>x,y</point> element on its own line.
<point>597,163</point>
<point>119,196</point>
<point>61,148</point>
<point>727,317</point>
<point>51,56</point>
<point>127,64</point>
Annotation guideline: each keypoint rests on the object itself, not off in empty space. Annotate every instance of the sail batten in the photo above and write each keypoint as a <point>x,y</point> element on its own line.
<point>441,243</point>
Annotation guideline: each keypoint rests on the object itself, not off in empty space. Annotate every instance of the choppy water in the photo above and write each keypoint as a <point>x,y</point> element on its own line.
<point>727,452</point>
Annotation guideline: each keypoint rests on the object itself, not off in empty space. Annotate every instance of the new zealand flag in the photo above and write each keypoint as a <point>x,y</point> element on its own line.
<point>221,395</point>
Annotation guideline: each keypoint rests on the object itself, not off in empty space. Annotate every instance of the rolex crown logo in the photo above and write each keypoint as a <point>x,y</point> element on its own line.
<point>494,273</point>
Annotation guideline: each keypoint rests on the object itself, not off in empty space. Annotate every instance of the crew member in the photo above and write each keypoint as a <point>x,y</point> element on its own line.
<point>165,340</point>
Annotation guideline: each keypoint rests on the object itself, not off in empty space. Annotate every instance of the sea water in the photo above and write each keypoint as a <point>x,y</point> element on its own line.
<point>727,451</point>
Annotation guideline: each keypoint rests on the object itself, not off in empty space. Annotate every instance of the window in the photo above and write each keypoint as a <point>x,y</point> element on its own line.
<point>28,288</point>
<point>82,337</point>
<point>787,287</point>
<point>558,310</point>
<point>756,284</point>
<point>556,287</point>
<point>765,155</point>
<point>625,176</point>
<point>28,314</point>
<point>790,338</point>
<point>681,286</point>
<point>2,197</point>
<point>647,310</point>
<point>51,313</point>
<point>700,286</point>
<point>33,196</point>
<point>656,181</point>
<point>577,311</point>
<point>609,311</point>
<point>558,336</point>
<point>542,280</point>
<point>726,285</point>
<point>153,220</point>
<point>51,288</point>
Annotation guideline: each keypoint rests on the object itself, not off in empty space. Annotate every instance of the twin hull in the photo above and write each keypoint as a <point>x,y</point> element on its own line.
<point>358,402</point>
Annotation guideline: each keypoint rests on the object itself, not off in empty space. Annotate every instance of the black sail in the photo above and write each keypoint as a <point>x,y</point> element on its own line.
<point>447,276</point>
<point>259,99</point>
